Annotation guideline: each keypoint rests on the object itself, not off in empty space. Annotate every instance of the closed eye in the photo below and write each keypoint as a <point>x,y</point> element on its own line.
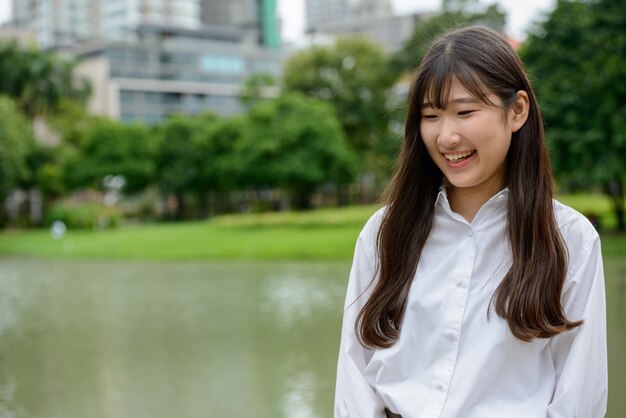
<point>429,117</point>
<point>466,112</point>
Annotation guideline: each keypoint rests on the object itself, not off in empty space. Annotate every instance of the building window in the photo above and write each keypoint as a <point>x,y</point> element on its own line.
<point>222,64</point>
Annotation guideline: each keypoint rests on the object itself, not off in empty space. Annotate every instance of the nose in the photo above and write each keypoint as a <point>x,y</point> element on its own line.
<point>449,136</point>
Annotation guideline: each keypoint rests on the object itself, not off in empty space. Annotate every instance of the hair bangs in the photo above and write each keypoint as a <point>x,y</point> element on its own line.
<point>435,83</point>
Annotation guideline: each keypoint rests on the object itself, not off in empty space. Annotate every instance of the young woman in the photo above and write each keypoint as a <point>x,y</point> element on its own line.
<point>474,294</point>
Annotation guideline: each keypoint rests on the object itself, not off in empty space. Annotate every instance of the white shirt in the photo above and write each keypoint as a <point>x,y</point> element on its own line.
<point>450,361</point>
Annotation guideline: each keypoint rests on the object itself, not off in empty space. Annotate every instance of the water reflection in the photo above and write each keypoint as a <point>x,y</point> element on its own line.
<point>296,300</point>
<point>299,401</point>
<point>101,339</point>
<point>11,298</point>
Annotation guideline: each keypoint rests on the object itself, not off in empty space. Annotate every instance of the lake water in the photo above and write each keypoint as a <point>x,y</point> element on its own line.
<point>195,339</point>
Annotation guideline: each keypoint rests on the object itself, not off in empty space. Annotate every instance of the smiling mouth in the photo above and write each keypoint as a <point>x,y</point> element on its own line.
<point>460,156</point>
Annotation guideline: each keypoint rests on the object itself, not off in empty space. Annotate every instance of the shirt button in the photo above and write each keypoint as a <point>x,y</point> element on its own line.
<point>470,233</point>
<point>460,282</point>
<point>441,386</point>
<point>451,335</point>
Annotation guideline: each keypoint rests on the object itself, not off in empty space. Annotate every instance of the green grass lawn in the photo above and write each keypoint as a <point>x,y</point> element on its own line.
<point>319,234</point>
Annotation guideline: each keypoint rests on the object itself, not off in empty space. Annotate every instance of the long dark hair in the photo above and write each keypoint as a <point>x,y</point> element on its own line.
<point>529,296</point>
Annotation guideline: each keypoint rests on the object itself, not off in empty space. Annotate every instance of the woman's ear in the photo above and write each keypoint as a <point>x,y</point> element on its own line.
<point>518,113</point>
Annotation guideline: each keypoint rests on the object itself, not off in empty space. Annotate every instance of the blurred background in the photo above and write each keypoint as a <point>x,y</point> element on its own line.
<point>182,183</point>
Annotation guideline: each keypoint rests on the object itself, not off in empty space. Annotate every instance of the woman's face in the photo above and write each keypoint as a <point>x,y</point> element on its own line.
<point>469,140</point>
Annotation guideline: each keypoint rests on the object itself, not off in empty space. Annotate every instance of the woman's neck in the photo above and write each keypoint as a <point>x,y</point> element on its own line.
<point>467,201</point>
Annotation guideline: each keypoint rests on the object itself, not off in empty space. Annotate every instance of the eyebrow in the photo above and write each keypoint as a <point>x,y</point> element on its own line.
<point>461,100</point>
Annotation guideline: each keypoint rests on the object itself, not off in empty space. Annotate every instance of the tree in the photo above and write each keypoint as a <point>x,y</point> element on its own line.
<point>73,123</point>
<point>297,143</point>
<point>352,75</point>
<point>16,139</point>
<point>577,57</point>
<point>179,158</point>
<point>52,168</point>
<point>455,14</point>
<point>45,166</point>
<point>38,81</point>
<point>113,148</point>
<point>221,165</point>
<point>258,87</point>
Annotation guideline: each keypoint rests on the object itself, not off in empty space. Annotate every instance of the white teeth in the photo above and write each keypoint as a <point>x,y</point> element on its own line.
<point>456,157</point>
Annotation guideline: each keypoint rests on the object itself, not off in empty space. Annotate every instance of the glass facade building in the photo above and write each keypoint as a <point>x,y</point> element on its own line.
<point>320,13</point>
<point>65,22</point>
<point>259,15</point>
<point>167,70</point>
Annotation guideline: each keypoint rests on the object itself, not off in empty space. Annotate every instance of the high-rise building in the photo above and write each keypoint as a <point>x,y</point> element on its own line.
<point>320,13</point>
<point>259,15</point>
<point>120,16</point>
<point>148,59</point>
<point>54,21</point>
<point>240,13</point>
<point>166,70</point>
<point>62,22</point>
<point>371,19</point>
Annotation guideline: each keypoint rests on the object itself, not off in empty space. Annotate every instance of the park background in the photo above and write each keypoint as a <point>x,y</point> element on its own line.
<point>197,266</point>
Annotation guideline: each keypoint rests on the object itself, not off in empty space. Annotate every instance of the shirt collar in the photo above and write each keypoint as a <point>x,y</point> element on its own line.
<point>442,197</point>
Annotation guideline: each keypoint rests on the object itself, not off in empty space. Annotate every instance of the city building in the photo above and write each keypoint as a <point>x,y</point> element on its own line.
<point>147,59</point>
<point>164,70</point>
<point>259,15</point>
<point>372,19</point>
<point>320,13</point>
<point>65,22</point>
<point>390,32</point>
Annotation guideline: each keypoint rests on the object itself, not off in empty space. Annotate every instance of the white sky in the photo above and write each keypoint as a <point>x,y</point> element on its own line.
<point>520,13</point>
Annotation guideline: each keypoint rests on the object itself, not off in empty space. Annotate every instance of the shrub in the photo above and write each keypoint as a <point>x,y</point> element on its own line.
<point>84,215</point>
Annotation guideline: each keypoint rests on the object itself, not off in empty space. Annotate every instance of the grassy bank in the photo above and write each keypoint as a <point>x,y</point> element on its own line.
<point>320,234</point>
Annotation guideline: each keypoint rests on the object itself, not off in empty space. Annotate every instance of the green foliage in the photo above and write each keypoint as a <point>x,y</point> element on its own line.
<point>16,140</point>
<point>221,166</point>
<point>456,14</point>
<point>73,123</point>
<point>256,88</point>
<point>53,169</point>
<point>577,57</point>
<point>297,143</point>
<point>38,80</point>
<point>353,75</point>
<point>84,215</point>
<point>179,155</point>
<point>46,170</point>
<point>113,148</point>
<point>49,179</point>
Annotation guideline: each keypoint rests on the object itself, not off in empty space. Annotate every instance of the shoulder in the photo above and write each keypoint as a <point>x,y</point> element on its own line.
<point>573,225</point>
<point>577,232</point>
<point>369,232</point>
<point>364,268</point>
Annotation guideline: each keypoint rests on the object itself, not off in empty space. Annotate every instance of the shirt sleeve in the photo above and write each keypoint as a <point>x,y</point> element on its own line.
<point>580,355</point>
<point>354,396</point>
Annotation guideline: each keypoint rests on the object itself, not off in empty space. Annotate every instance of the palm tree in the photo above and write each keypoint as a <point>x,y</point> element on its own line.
<point>38,80</point>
